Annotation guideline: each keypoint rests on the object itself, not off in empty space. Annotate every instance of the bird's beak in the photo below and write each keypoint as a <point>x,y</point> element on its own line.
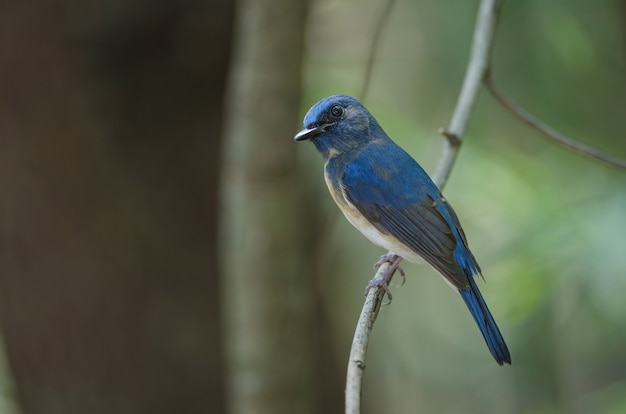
<point>308,133</point>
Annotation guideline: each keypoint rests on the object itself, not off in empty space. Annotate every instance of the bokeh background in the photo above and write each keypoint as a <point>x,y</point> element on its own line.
<point>166,247</point>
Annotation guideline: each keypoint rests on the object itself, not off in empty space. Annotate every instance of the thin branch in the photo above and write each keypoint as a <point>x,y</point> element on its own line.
<point>358,351</point>
<point>374,49</point>
<point>553,135</point>
<point>477,68</point>
<point>453,140</point>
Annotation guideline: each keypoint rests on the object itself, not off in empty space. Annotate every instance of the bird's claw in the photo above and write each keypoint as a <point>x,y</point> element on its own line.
<point>394,261</point>
<point>385,258</point>
<point>382,283</point>
<point>383,280</point>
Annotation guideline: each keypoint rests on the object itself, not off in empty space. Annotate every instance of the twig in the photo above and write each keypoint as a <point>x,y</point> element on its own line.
<point>358,351</point>
<point>374,49</point>
<point>477,68</point>
<point>553,135</point>
<point>453,140</point>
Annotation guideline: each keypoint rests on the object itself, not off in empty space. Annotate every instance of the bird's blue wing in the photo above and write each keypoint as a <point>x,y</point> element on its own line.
<point>396,195</point>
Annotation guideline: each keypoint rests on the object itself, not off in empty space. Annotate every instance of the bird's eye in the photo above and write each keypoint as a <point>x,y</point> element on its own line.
<point>336,111</point>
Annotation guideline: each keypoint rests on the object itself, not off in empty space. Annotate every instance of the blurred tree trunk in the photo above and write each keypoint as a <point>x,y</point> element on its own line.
<point>270,221</point>
<point>110,126</point>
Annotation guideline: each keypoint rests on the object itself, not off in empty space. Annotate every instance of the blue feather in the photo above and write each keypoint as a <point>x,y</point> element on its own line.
<point>487,325</point>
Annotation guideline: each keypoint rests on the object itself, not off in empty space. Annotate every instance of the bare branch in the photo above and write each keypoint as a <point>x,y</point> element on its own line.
<point>358,351</point>
<point>477,68</point>
<point>553,135</point>
<point>453,140</point>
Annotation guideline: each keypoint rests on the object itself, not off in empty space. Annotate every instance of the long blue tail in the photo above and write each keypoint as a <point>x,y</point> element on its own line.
<point>477,306</point>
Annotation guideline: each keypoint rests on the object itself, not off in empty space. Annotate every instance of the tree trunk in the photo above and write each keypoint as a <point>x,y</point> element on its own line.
<point>269,218</point>
<point>110,120</point>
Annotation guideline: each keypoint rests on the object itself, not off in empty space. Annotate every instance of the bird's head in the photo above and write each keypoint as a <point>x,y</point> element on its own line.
<point>339,124</point>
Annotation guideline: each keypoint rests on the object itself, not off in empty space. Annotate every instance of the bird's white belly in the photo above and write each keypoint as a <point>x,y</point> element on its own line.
<point>386,241</point>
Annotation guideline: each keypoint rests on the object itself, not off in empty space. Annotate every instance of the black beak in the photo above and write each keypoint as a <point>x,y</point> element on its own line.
<point>308,133</point>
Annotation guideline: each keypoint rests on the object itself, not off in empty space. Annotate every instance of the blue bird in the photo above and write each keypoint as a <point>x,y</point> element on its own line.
<point>388,197</point>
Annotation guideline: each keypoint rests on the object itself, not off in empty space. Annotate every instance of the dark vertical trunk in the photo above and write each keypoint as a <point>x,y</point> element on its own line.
<point>110,130</point>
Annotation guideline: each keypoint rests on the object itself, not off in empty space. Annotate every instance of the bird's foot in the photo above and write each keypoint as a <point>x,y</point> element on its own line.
<point>394,260</point>
<point>383,280</point>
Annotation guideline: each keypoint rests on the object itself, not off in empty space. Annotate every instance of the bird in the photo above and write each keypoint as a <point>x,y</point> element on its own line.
<point>392,201</point>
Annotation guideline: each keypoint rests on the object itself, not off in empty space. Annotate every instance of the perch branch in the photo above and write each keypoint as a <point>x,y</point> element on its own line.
<point>358,351</point>
<point>477,70</point>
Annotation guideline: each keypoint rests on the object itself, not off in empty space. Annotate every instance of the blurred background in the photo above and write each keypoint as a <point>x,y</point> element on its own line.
<point>166,247</point>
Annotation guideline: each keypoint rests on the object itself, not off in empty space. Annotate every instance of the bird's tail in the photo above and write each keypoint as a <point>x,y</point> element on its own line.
<point>477,306</point>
